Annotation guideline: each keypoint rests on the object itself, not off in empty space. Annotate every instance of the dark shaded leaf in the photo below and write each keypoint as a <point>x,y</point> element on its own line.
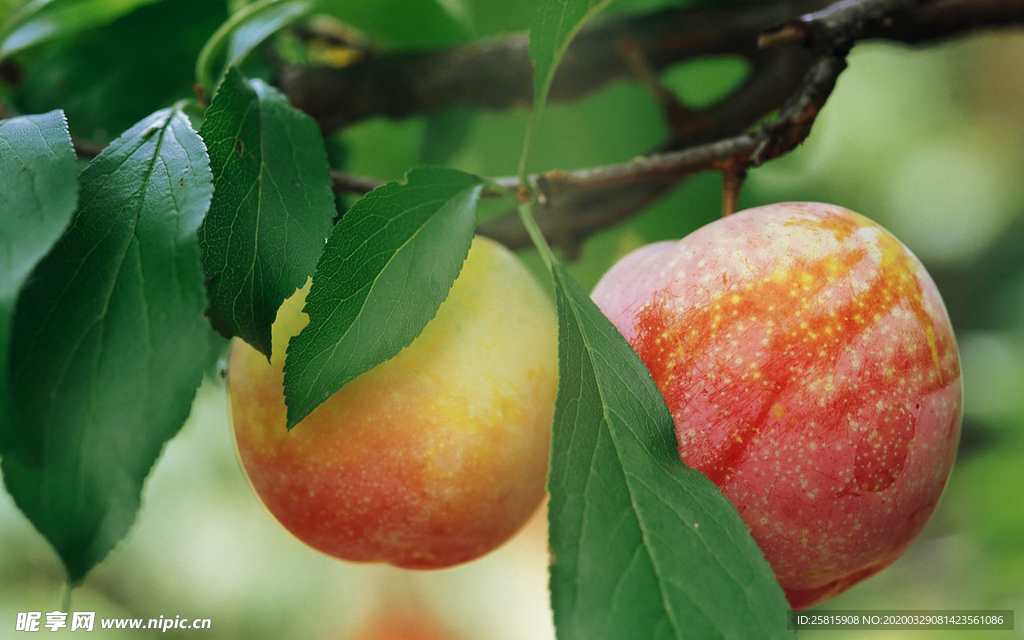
<point>109,340</point>
<point>272,206</point>
<point>41,20</point>
<point>108,79</point>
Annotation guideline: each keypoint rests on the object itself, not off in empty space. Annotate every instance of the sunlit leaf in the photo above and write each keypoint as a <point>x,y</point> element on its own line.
<point>38,195</point>
<point>643,546</point>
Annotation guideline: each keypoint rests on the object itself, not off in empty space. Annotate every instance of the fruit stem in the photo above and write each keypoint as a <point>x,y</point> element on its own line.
<point>526,215</point>
<point>732,182</point>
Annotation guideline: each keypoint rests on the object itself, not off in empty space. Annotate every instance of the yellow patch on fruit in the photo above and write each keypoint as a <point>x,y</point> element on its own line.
<point>433,458</point>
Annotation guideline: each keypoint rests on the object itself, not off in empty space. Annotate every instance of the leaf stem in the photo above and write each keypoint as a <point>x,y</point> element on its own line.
<point>527,143</point>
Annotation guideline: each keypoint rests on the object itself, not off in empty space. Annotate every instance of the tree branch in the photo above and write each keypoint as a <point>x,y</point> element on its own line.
<point>797,50</point>
<point>497,74</point>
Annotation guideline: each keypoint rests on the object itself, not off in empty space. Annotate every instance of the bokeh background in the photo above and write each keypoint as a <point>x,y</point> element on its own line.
<point>929,142</point>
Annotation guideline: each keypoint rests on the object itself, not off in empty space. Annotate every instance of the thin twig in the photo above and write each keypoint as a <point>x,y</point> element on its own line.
<point>834,29</point>
<point>796,80</point>
<point>497,74</point>
<point>346,183</point>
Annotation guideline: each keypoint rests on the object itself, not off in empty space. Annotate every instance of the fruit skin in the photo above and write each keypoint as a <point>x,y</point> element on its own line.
<point>431,459</point>
<point>812,374</point>
<point>410,622</point>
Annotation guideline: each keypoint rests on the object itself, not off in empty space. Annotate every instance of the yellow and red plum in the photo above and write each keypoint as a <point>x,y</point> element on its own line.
<point>812,374</point>
<point>433,458</point>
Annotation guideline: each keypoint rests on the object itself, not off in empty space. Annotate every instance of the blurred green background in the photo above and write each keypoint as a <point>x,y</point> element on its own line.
<point>928,142</point>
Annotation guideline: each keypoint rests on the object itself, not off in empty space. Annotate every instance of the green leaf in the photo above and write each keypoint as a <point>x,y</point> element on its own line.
<point>244,31</point>
<point>387,267</point>
<point>38,195</point>
<point>109,340</point>
<point>42,20</point>
<point>556,24</point>
<point>445,133</point>
<point>644,547</point>
<point>400,24</point>
<point>261,26</point>
<point>272,206</point>
<point>104,79</point>
<point>395,24</point>
<point>459,10</point>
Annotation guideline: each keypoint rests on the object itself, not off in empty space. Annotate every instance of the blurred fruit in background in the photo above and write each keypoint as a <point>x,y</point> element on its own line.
<point>402,625</point>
